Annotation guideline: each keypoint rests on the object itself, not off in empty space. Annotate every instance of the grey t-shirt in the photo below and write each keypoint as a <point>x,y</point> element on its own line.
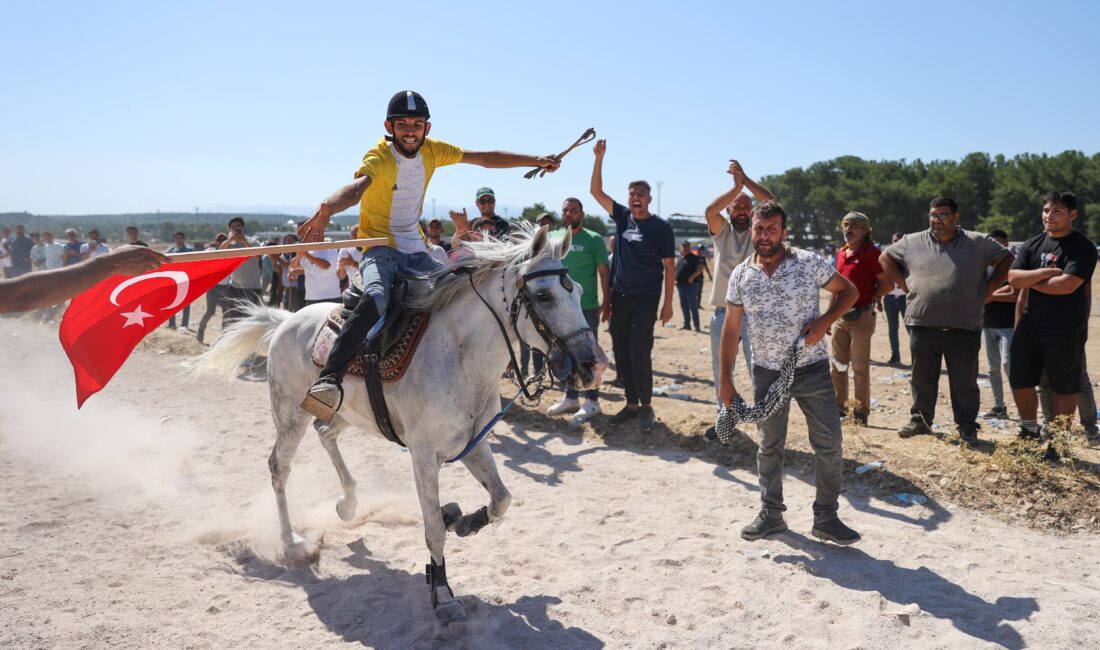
<point>247,275</point>
<point>946,281</point>
<point>730,249</point>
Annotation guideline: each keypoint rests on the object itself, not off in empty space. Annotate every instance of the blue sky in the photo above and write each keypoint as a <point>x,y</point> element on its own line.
<point>139,106</point>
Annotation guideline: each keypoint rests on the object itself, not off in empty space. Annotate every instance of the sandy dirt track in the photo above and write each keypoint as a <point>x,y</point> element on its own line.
<point>147,520</point>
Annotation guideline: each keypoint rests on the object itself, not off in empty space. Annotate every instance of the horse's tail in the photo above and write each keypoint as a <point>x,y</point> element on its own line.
<point>248,336</point>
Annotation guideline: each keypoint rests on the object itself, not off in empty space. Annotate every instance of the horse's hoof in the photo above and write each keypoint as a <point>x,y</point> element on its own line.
<point>451,513</point>
<point>449,612</point>
<point>345,507</point>
<point>298,552</point>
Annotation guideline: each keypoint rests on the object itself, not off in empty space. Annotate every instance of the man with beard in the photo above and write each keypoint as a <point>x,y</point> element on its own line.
<point>587,263</point>
<point>389,186</point>
<point>644,263</point>
<point>944,269</point>
<point>1055,267</point>
<point>857,261</point>
<point>777,290</point>
<point>435,235</point>
<point>732,245</point>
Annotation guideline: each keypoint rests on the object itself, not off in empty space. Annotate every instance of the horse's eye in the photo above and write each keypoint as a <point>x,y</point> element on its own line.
<point>544,296</point>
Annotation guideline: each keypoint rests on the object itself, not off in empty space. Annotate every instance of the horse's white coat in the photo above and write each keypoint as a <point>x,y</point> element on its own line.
<point>450,391</point>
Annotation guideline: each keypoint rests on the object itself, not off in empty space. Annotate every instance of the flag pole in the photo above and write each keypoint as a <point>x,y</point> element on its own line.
<point>254,251</point>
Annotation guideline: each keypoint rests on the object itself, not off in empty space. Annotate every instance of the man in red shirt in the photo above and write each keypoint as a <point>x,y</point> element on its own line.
<point>857,261</point>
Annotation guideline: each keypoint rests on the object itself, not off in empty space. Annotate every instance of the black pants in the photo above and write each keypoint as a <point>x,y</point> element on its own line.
<point>632,321</point>
<point>930,347</point>
<point>214,298</point>
<point>235,299</point>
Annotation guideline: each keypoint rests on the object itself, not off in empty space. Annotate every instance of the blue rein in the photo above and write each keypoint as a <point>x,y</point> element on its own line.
<point>484,432</point>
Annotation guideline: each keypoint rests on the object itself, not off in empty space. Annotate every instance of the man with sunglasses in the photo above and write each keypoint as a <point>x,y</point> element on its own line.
<point>389,187</point>
<point>947,287</point>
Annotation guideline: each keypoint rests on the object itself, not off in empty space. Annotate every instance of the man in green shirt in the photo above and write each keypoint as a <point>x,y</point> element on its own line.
<point>588,266</point>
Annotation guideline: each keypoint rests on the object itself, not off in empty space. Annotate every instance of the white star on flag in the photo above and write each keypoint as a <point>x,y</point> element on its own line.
<point>136,317</point>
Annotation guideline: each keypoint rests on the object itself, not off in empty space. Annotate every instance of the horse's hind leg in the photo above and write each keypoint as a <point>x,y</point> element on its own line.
<point>480,463</point>
<point>290,426</point>
<point>328,433</point>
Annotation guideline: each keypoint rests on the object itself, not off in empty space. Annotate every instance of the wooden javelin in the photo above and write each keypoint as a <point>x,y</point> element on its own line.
<point>253,251</point>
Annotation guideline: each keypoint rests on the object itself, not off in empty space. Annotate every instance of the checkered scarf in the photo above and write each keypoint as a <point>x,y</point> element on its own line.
<point>778,394</point>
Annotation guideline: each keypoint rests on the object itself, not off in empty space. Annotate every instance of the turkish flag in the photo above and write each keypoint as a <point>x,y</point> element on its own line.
<point>103,325</point>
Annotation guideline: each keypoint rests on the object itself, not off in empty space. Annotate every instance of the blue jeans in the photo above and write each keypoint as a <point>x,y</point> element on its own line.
<point>998,341</point>
<point>716,323</point>
<point>592,317</point>
<point>894,306</point>
<point>813,390</point>
<point>379,267</point>
<point>689,304</point>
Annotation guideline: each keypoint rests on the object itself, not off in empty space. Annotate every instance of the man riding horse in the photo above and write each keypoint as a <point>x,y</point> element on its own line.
<point>389,186</point>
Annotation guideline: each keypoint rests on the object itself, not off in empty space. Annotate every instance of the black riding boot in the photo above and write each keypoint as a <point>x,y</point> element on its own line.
<point>326,394</point>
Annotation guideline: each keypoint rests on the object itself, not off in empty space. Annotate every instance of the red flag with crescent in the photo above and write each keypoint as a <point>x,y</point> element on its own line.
<point>103,325</point>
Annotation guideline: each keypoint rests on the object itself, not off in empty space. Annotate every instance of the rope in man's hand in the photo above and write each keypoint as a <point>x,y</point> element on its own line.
<point>588,136</point>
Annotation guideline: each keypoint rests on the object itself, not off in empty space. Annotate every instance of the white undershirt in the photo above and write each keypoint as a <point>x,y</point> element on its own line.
<point>408,198</point>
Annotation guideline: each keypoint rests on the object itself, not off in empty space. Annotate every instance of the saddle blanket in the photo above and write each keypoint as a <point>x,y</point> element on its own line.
<point>394,361</point>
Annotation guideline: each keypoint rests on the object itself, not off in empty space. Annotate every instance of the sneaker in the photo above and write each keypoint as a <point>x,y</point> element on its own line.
<point>915,427</point>
<point>566,405</point>
<point>1051,454</point>
<point>617,383</point>
<point>834,531</point>
<point>323,399</point>
<point>1027,433</point>
<point>969,436</point>
<point>623,415</point>
<point>588,410</point>
<point>763,526</point>
<point>646,417</point>
<point>997,412</point>
<point>893,361</point>
<point>686,328</point>
<point>861,418</point>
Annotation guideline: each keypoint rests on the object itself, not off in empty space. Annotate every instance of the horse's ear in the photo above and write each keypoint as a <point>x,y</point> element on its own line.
<point>538,242</point>
<point>565,244</point>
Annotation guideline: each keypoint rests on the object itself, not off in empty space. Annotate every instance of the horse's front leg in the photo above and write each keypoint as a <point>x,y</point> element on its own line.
<point>426,472</point>
<point>480,463</point>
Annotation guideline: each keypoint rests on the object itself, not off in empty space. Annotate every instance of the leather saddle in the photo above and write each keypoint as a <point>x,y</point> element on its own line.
<point>393,348</point>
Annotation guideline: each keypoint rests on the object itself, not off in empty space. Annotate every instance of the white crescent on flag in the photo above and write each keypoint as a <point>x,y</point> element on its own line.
<point>179,277</point>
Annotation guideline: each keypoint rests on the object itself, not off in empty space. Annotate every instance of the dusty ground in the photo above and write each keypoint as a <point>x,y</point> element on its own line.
<point>146,519</point>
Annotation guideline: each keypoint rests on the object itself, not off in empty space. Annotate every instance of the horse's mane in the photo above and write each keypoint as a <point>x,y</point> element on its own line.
<point>487,257</point>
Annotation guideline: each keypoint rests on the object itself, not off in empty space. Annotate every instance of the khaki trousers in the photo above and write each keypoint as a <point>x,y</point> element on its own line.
<point>852,348</point>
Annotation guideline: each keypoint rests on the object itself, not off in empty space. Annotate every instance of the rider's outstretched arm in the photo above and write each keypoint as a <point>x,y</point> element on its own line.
<point>314,229</point>
<point>504,159</point>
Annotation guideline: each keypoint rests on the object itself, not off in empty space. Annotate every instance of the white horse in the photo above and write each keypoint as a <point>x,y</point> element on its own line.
<point>450,391</point>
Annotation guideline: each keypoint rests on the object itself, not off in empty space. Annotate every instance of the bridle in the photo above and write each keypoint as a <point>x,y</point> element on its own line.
<point>522,300</point>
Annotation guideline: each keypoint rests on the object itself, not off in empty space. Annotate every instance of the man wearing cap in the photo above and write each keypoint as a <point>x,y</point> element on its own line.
<point>487,206</point>
<point>389,187</point>
<point>857,261</point>
<point>588,266</point>
<point>944,269</point>
<point>435,235</point>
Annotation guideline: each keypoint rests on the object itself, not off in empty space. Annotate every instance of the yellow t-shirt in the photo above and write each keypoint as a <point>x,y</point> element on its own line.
<point>392,204</point>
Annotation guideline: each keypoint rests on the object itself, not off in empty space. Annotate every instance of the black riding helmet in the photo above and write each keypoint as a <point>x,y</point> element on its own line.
<point>407,103</point>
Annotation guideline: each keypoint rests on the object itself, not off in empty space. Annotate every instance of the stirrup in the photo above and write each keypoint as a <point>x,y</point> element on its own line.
<point>318,400</point>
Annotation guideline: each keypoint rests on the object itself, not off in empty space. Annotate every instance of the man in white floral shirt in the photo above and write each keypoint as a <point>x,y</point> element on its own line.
<point>778,290</point>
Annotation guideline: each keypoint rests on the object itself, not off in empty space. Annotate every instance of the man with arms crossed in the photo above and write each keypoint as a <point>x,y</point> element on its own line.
<point>777,290</point>
<point>948,286</point>
<point>389,187</point>
<point>1055,267</point>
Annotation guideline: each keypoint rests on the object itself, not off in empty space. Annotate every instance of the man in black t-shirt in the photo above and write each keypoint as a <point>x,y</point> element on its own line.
<point>1055,268</point>
<point>998,322</point>
<point>643,267</point>
<point>688,271</point>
